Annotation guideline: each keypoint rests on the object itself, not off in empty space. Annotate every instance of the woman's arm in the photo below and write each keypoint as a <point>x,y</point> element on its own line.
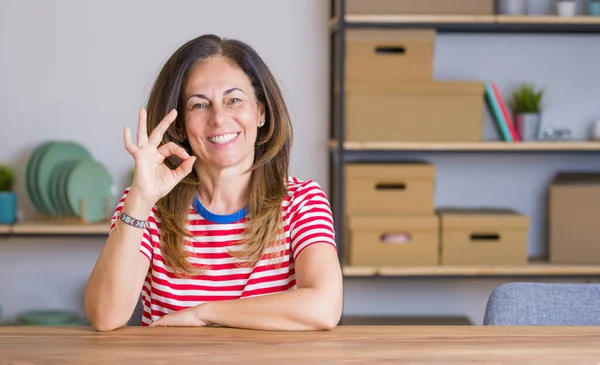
<point>114,286</point>
<point>315,305</point>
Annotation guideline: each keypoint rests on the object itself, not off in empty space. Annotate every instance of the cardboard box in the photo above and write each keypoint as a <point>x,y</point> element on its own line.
<point>432,111</point>
<point>389,54</point>
<point>393,240</point>
<point>483,237</point>
<point>574,214</point>
<point>421,7</point>
<point>389,188</point>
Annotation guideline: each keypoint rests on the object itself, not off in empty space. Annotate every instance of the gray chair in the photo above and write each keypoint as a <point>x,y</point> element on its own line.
<point>543,304</point>
<point>136,317</point>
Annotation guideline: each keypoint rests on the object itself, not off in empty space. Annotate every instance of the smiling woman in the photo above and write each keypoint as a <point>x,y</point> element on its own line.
<point>222,121</point>
<point>213,230</point>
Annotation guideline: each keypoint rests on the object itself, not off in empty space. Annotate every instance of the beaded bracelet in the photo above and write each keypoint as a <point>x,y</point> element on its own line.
<point>132,221</point>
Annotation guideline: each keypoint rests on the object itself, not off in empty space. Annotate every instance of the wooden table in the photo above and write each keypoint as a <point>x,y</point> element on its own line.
<point>348,345</point>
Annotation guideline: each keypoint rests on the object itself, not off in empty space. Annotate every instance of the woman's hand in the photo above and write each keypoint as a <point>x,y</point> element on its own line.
<point>190,317</point>
<point>152,178</point>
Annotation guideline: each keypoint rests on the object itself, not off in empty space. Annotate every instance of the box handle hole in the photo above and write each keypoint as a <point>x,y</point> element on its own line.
<point>390,50</point>
<point>485,237</point>
<point>395,238</point>
<point>399,186</point>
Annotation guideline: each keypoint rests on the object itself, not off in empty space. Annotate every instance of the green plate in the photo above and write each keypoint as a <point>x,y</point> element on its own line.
<point>53,156</point>
<point>62,188</point>
<point>90,181</point>
<point>48,318</point>
<point>55,189</point>
<point>30,178</point>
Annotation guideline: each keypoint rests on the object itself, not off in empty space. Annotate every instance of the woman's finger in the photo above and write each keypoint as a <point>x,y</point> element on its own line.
<point>158,132</point>
<point>129,145</point>
<point>171,148</point>
<point>142,137</point>
<point>185,168</point>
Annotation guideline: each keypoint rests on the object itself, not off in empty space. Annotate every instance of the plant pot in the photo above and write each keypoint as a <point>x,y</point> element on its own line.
<point>594,7</point>
<point>512,7</point>
<point>528,126</point>
<point>8,207</point>
<point>566,8</point>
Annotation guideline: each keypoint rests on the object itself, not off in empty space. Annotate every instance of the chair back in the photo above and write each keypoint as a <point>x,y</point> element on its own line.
<point>543,304</point>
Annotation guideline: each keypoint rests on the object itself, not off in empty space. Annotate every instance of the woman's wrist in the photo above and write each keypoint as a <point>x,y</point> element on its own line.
<point>204,313</point>
<point>137,207</point>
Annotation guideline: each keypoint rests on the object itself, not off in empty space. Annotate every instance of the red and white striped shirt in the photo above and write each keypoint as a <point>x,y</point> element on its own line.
<point>307,220</point>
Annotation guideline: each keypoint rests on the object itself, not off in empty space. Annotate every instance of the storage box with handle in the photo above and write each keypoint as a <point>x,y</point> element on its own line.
<point>485,236</point>
<point>389,54</point>
<point>390,188</point>
<point>403,240</point>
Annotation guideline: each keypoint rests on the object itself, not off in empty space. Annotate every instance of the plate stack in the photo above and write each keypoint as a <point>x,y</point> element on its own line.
<point>63,180</point>
<point>49,318</point>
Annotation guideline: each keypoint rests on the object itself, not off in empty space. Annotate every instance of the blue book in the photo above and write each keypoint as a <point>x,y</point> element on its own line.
<point>497,113</point>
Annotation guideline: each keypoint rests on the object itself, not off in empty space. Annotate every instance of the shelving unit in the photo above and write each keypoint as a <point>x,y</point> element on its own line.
<point>342,152</point>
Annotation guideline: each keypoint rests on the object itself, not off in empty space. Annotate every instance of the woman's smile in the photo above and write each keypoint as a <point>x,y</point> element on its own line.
<point>224,138</point>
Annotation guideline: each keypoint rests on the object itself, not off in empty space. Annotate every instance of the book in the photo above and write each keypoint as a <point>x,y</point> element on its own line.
<point>507,118</point>
<point>497,114</point>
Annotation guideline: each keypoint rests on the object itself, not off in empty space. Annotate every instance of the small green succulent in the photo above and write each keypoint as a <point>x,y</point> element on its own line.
<point>526,99</point>
<point>7,178</point>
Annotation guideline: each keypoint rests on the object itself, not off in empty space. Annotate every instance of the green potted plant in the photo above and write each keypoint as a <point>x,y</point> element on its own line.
<point>526,105</point>
<point>8,198</point>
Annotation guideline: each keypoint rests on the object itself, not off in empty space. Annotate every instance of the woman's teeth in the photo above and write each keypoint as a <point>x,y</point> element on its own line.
<point>223,138</point>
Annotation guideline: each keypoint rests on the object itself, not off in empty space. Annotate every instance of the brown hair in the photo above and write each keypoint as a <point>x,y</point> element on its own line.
<point>269,172</point>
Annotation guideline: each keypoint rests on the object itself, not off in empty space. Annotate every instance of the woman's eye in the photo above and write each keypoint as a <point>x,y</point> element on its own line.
<point>234,100</point>
<point>198,105</point>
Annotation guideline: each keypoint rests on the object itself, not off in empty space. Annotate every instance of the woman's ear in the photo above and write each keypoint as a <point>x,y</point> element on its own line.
<point>261,115</point>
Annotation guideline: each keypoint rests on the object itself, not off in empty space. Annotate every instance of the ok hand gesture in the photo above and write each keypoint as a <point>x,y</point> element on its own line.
<point>152,178</point>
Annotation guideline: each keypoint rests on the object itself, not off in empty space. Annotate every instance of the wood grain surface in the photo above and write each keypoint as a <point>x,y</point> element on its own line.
<point>343,345</point>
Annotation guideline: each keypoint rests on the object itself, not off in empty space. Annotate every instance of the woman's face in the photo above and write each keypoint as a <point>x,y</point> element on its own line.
<point>221,114</point>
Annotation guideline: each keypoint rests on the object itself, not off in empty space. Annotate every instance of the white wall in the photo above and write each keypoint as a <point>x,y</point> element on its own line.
<point>80,70</point>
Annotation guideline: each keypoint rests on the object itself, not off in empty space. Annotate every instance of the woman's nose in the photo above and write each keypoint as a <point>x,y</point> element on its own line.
<point>219,115</point>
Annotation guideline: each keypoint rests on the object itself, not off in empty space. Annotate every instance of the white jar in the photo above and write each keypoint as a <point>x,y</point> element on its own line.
<point>566,8</point>
<point>595,130</point>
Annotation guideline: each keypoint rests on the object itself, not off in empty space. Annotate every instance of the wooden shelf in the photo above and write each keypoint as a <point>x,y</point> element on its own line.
<point>59,228</point>
<point>549,19</point>
<point>400,18</point>
<point>495,19</point>
<point>532,269</point>
<point>474,23</point>
<point>471,146</point>
<point>5,229</point>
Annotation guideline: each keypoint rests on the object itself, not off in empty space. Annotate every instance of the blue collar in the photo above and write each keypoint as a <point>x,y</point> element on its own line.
<point>218,218</point>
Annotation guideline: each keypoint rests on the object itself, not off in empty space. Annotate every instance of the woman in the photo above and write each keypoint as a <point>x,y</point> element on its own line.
<point>212,230</point>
